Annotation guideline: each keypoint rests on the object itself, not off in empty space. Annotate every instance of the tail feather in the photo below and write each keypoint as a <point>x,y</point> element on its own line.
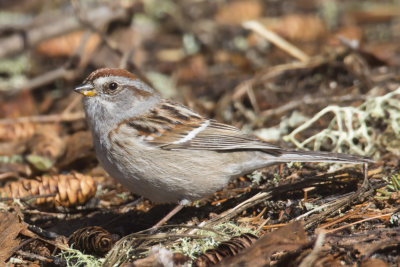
<point>317,156</point>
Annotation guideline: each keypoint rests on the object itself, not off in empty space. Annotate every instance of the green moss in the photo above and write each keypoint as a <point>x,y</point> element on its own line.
<point>392,186</point>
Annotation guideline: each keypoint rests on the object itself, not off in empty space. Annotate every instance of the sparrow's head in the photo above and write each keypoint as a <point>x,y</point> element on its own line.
<point>113,95</point>
<point>113,84</point>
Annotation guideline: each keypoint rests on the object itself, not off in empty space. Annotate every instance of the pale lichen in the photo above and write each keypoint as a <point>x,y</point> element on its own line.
<point>75,257</point>
<point>353,129</point>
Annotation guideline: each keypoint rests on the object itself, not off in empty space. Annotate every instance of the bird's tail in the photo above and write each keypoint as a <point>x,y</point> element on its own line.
<point>317,156</point>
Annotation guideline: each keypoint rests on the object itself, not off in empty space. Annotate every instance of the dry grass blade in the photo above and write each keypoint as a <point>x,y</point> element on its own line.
<point>277,40</point>
<point>226,216</point>
<point>46,118</point>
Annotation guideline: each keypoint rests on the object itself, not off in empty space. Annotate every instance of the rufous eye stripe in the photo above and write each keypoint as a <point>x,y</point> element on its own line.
<point>139,92</point>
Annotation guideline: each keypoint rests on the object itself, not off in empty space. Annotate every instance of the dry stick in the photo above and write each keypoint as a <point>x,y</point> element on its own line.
<point>277,70</point>
<point>366,183</point>
<point>57,26</point>
<point>42,232</point>
<point>229,214</point>
<point>60,216</point>
<point>276,40</point>
<point>275,225</point>
<point>243,88</point>
<point>306,100</point>
<point>33,256</point>
<point>66,71</point>
<point>166,218</point>
<point>246,87</point>
<point>146,232</point>
<point>357,222</point>
<point>126,57</point>
<point>310,258</point>
<point>253,99</point>
<point>126,60</point>
<point>28,198</point>
<point>43,79</point>
<point>6,175</point>
<point>260,227</point>
<point>22,244</point>
<point>249,115</point>
<point>89,24</point>
<point>262,196</point>
<point>77,99</point>
<point>311,100</point>
<point>46,118</point>
<point>319,208</point>
<point>359,194</point>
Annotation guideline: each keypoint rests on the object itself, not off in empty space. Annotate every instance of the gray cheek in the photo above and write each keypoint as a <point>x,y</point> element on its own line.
<point>124,98</point>
<point>105,112</point>
<point>92,106</point>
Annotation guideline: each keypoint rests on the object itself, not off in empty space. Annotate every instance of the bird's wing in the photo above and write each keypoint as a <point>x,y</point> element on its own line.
<point>173,126</point>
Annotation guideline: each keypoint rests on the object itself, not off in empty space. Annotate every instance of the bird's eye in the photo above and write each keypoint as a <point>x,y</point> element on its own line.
<point>112,86</point>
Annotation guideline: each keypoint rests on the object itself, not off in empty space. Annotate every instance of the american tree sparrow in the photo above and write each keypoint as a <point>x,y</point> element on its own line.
<point>166,152</point>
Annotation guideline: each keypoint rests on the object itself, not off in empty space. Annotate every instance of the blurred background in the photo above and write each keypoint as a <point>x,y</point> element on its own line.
<point>265,66</point>
<point>198,52</point>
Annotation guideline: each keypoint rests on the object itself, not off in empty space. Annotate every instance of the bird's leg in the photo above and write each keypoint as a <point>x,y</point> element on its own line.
<point>365,185</point>
<point>174,211</point>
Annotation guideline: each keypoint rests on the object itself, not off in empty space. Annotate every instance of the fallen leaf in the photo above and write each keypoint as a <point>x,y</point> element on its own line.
<point>288,238</point>
<point>10,227</point>
<point>66,45</point>
<point>236,12</point>
<point>304,28</point>
<point>373,262</point>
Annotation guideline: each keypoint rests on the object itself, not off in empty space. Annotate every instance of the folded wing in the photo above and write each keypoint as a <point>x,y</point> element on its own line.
<point>172,126</point>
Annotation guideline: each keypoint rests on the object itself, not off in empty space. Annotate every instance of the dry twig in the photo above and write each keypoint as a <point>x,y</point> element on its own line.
<point>276,40</point>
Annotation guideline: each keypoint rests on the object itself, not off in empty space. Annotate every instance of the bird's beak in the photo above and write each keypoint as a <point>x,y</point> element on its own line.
<point>85,89</point>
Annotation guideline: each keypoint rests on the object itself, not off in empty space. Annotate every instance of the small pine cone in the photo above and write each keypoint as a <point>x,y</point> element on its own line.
<point>16,131</point>
<point>70,190</point>
<point>92,240</point>
<point>225,249</point>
